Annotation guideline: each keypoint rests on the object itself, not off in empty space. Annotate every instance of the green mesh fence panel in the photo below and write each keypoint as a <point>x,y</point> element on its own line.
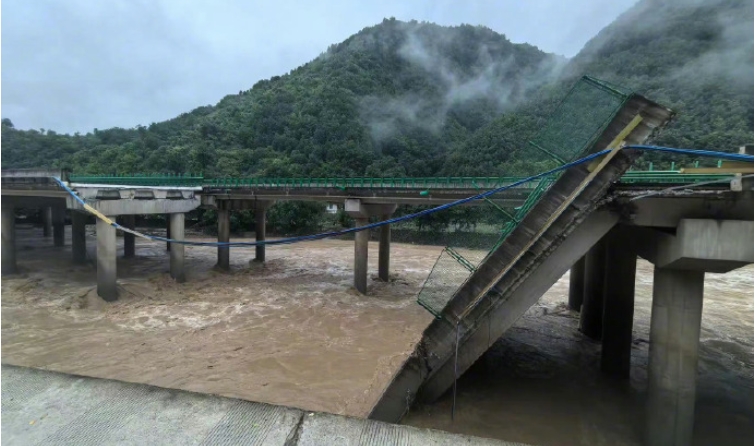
<point>446,275</point>
<point>571,129</point>
<point>580,118</point>
<point>522,211</point>
<point>464,251</point>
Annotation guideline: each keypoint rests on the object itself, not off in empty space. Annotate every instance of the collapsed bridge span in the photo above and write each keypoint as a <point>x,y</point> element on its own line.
<point>557,231</point>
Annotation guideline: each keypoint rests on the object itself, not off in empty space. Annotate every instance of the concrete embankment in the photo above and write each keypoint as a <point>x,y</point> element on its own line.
<point>40,407</point>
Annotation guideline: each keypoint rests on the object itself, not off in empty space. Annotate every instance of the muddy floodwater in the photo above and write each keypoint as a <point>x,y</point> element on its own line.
<point>294,332</point>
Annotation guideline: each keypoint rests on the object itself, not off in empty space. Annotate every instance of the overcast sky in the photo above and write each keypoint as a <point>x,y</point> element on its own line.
<point>76,65</point>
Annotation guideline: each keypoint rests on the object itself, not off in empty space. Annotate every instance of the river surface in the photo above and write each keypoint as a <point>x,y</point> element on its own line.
<point>294,332</point>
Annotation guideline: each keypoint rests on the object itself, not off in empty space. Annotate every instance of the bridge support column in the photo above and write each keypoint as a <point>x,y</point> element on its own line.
<point>618,305</point>
<point>106,262</point>
<point>78,237</point>
<point>260,218</point>
<point>177,249</point>
<point>9,240</point>
<point>577,284</point>
<point>361,246</point>
<point>672,363</point>
<point>384,251</point>
<point>361,213</point>
<point>46,221</point>
<point>224,236</point>
<point>167,231</point>
<point>129,240</point>
<point>681,260</point>
<point>591,314</point>
<point>58,225</point>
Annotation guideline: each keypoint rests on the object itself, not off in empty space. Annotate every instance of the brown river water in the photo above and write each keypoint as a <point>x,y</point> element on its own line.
<point>294,332</point>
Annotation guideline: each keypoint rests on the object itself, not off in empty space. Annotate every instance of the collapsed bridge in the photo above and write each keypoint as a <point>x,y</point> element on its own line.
<point>588,215</point>
<point>578,217</point>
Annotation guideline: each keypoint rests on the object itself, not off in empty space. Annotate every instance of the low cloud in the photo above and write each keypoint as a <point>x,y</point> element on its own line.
<point>730,57</point>
<point>504,82</point>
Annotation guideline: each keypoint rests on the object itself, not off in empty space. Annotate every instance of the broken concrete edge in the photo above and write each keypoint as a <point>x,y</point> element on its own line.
<point>293,427</point>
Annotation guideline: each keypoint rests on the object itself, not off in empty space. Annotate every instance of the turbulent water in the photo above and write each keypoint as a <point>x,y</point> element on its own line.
<point>541,382</point>
<point>291,332</point>
<point>294,332</point>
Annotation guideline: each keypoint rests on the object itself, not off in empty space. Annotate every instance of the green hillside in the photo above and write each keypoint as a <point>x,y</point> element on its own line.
<point>390,100</point>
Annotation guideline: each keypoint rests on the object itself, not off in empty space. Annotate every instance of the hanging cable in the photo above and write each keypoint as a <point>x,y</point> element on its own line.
<point>694,152</point>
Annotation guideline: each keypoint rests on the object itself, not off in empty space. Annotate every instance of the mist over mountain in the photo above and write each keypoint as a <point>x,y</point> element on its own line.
<point>418,99</point>
<point>694,56</point>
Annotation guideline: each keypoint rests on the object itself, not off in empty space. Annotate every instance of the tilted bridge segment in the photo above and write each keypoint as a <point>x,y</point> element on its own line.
<point>589,224</point>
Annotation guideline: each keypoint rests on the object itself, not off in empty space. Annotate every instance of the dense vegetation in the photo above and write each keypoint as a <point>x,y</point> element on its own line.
<point>418,99</point>
<point>390,100</point>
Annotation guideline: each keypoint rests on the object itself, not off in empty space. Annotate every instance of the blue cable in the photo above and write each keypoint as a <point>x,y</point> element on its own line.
<point>291,240</point>
<point>694,152</point>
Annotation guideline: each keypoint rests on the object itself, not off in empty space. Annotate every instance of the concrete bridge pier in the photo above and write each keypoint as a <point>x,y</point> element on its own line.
<point>167,231</point>
<point>129,240</point>
<point>260,219</point>
<point>361,214</point>
<point>58,225</point>
<point>618,304</point>
<point>177,249</point>
<point>46,221</point>
<point>78,237</point>
<point>672,365</point>
<point>107,287</point>
<point>8,239</point>
<point>591,313</point>
<point>577,284</point>
<point>361,247</point>
<point>681,260</point>
<point>224,236</point>
<point>384,249</point>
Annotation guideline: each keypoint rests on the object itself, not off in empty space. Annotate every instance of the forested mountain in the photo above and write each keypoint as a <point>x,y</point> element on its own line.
<point>694,56</point>
<point>390,100</point>
<point>418,99</point>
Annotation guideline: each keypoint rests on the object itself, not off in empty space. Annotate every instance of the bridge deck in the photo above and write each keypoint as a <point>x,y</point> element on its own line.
<point>415,191</point>
<point>422,183</point>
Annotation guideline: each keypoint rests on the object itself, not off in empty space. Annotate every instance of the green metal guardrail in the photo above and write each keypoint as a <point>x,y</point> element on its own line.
<point>670,177</point>
<point>371,182</point>
<point>185,180</point>
<point>423,183</point>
